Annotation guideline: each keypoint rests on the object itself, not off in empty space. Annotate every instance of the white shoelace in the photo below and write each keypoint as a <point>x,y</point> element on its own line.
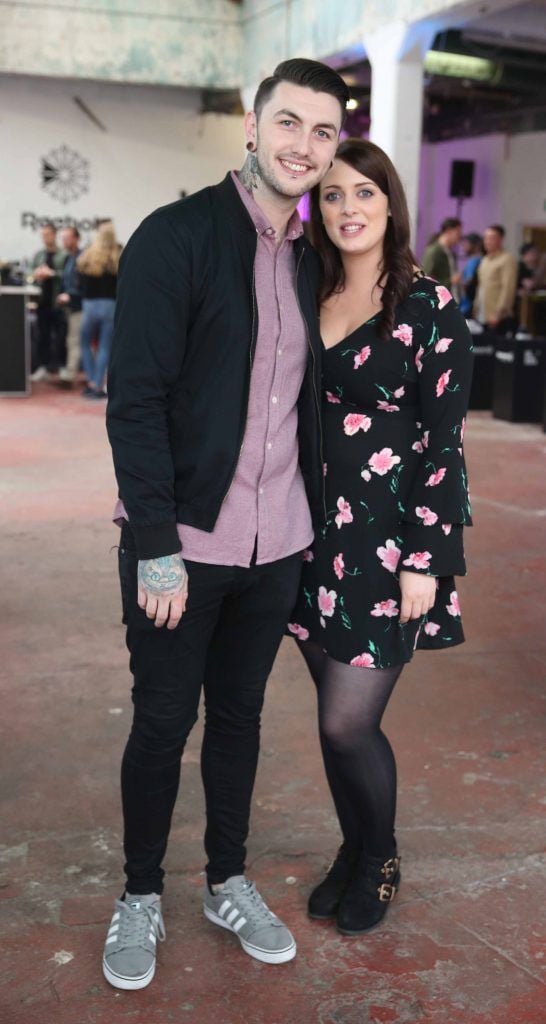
<point>134,925</point>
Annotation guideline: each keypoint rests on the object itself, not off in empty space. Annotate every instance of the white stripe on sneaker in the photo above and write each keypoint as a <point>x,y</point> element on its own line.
<point>113,938</point>
<point>224,908</point>
<point>152,937</point>
<point>232,915</point>
<point>115,917</point>
<point>240,923</point>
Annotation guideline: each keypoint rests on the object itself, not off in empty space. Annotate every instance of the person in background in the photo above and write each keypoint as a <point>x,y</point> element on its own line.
<point>70,300</point>
<point>439,256</point>
<point>497,279</point>
<point>531,269</point>
<point>47,267</point>
<point>473,252</point>
<point>98,269</point>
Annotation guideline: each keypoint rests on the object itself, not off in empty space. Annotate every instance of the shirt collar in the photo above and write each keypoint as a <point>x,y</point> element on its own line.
<point>294,228</point>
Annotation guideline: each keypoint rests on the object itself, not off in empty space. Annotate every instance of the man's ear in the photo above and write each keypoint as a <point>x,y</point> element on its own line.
<point>250,127</point>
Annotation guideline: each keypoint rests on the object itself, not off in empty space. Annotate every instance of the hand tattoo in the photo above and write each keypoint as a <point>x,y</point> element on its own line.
<point>165,576</point>
<point>250,174</point>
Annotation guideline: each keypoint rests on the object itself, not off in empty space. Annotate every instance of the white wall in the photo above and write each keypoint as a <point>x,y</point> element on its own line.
<point>509,184</point>
<point>156,144</point>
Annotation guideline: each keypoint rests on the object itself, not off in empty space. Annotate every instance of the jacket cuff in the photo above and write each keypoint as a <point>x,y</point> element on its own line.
<point>156,541</point>
<point>430,551</point>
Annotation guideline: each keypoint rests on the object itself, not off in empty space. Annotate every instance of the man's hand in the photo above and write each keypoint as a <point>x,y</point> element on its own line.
<point>63,299</point>
<point>163,589</point>
<point>418,595</point>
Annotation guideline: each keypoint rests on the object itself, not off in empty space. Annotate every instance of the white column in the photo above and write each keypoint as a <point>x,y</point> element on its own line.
<point>248,93</point>
<point>396,53</point>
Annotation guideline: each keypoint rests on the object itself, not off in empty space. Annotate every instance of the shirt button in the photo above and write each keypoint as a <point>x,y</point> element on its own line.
<point>274,399</point>
<point>269,446</point>
<point>280,351</point>
<point>261,490</point>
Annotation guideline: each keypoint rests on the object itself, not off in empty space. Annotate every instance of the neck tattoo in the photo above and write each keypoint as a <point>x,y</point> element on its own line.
<point>250,174</point>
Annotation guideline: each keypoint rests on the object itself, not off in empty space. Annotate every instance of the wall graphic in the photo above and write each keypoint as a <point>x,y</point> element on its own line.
<point>65,174</point>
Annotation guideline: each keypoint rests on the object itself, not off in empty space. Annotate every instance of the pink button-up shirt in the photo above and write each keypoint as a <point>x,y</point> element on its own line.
<point>266,504</point>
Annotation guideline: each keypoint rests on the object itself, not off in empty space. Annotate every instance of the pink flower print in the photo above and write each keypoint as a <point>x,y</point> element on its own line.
<point>463,426</point>
<point>366,475</point>
<point>405,333</point>
<point>387,407</point>
<point>446,527</point>
<point>339,566</point>
<point>327,601</point>
<point>424,438</point>
<point>454,608</point>
<point>427,515</point>
<point>444,295</point>
<point>325,468</point>
<point>345,514</point>
<point>362,356</point>
<point>381,462</point>
<point>389,555</point>
<point>431,628</point>
<point>308,556</point>
<point>388,608</point>
<point>333,398</point>
<point>419,559</point>
<point>443,381</point>
<point>417,446</point>
<point>354,422</point>
<point>322,622</point>
<point>442,344</point>
<point>418,359</point>
<point>299,631</point>
<point>363,661</point>
<point>399,392</point>
<point>436,478</point>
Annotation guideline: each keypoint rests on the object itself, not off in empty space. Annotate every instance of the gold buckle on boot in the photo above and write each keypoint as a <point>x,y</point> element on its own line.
<point>390,867</point>
<point>386,892</point>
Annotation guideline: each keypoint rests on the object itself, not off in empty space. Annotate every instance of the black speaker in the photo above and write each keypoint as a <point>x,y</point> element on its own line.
<point>462,179</point>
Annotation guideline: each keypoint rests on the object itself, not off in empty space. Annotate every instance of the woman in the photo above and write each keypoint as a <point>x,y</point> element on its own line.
<point>379,580</point>
<point>98,268</point>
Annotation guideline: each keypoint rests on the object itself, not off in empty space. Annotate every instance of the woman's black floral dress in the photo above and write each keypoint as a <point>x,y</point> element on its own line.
<point>396,488</point>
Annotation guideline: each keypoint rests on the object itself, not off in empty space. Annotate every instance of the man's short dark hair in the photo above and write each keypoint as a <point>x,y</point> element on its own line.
<point>498,228</point>
<point>449,223</point>
<point>73,229</point>
<point>310,74</point>
<point>50,224</point>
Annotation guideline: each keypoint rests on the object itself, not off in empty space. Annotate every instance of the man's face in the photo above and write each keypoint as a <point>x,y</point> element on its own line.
<point>492,241</point>
<point>69,240</point>
<point>296,138</point>
<point>49,237</point>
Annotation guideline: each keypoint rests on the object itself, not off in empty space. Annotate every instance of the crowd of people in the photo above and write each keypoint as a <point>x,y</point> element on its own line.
<point>491,282</point>
<point>75,307</point>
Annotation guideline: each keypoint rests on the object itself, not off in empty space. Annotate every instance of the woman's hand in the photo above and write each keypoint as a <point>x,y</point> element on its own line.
<point>418,595</point>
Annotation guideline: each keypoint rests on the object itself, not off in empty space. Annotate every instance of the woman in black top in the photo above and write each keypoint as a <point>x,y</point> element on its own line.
<point>98,269</point>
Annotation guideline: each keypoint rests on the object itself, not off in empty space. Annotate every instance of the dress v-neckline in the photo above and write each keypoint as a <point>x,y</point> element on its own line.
<point>370,320</point>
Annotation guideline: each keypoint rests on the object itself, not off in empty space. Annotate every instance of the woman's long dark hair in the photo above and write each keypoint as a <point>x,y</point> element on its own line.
<point>398,264</point>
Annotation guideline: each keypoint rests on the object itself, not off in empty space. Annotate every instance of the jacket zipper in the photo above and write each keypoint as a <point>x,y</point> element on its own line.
<point>314,386</point>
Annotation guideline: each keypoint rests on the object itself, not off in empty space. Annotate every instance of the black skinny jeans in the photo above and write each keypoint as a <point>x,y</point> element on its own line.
<point>226,642</point>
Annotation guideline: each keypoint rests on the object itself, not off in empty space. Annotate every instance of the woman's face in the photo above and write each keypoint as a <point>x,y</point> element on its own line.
<point>354,210</point>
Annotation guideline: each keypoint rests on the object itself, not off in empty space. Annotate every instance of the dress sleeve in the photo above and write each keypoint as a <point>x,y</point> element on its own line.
<point>438,504</point>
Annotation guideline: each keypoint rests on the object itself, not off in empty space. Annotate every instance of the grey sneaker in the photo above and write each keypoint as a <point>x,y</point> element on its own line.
<point>240,908</point>
<point>129,952</point>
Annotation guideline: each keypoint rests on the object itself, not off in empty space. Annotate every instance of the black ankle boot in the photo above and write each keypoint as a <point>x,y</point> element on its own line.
<point>373,886</point>
<point>325,898</point>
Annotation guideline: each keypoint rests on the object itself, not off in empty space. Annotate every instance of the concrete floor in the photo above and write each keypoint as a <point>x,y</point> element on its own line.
<point>463,943</point>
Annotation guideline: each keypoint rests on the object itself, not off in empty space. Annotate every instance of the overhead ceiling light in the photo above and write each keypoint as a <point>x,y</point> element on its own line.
<point>462,65</point>
<point>352,104</point>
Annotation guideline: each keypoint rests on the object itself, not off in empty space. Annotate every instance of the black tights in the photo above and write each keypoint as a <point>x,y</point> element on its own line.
<point>358,757</point>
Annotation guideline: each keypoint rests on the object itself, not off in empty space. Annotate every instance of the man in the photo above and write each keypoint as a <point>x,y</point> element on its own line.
<point>214,385</point>
<point>497,279</point>
<point>70,299</point>
<point>439,258</point>
<point>47,265</point>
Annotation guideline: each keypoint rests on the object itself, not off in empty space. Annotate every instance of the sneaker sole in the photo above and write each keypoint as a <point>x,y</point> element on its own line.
<point>278,956</point>
<point>127,983</point>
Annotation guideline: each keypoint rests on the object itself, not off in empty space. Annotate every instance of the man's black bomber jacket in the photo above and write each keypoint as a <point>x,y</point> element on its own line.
<point>178,382</point>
